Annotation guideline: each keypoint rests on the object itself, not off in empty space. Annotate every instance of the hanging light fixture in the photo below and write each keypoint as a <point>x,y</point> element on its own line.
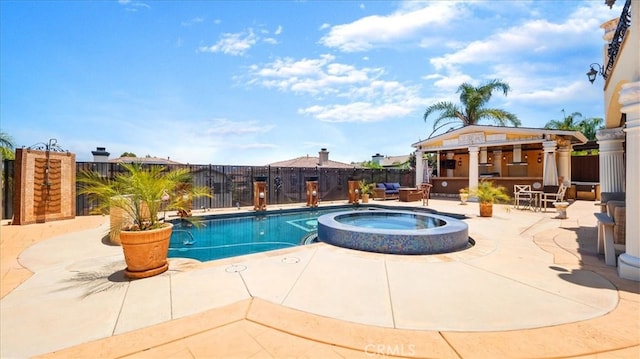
<point>592,73</point>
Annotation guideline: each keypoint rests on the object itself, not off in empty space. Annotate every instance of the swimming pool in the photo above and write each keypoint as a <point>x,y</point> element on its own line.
<point>226,236</point>
<point>231,235</point>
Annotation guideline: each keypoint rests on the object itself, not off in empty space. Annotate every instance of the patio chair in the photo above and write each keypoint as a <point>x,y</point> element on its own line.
<point>553,197</point>
<point>522,199</point>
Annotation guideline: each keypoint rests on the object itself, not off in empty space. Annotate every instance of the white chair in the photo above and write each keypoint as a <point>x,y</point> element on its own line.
<point>553,197</point>
<point>521,198</point>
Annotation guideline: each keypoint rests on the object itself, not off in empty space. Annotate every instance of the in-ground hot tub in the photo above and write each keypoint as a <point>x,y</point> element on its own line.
<point>394,232</point>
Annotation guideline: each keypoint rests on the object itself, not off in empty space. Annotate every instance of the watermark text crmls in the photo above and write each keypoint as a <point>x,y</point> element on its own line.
<point>405,350</point>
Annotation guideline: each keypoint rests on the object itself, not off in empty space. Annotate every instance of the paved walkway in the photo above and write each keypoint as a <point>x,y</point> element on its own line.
<point>532,286</point>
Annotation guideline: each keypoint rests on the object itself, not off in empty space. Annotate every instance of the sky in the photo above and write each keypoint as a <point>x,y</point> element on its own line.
<point>255,82</point>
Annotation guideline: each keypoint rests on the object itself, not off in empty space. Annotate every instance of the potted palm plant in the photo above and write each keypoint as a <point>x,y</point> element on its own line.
<point>141,193</point>
<point>489,193</point>
<point>365,190</point>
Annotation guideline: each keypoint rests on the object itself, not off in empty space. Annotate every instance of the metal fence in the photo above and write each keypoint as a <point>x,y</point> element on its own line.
<point>233,185</point>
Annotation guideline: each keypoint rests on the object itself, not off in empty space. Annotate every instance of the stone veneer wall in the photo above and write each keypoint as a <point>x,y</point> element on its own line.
<point>34,200</point>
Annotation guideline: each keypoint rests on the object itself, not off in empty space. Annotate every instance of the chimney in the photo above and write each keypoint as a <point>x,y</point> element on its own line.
<point>323,157</point>
<point>100,155</point>
<point>377,158</point>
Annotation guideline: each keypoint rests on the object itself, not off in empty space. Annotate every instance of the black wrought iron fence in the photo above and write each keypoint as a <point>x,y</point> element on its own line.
<point>7,188</point>
<point>232,186</point>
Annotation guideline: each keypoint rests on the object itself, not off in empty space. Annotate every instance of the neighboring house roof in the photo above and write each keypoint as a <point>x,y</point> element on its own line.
<point>392,161</point>
<point>145,160</point>
<point>307,161</point>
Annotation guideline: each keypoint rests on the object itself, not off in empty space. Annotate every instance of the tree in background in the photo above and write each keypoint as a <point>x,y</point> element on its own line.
<point>371,164</point>
<point>590,126</point>
<point>7,146</point>
<point>575,122</point>
<point>471,109</point>
<point>128,154</point>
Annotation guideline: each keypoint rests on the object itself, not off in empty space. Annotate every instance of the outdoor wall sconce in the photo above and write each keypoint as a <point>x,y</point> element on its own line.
<point>260,195</point>
<point>592,73</point>
<point>312,192</point>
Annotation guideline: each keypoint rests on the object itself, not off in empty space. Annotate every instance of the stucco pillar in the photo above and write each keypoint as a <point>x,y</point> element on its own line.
<point>612,173</point>
<point>564,161</point>
<point>629,261</point>
<point>450,156</point>
<point>550,168</point>
<point>497,162</point>
<point>473,166</point>
<point>419,167</point>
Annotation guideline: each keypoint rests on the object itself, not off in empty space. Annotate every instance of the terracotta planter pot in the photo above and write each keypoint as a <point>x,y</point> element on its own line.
<point>486,209</point>
<point>146,251</point>
<point>365,198</point>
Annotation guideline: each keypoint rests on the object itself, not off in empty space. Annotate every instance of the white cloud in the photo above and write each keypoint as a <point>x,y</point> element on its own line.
<point>224,127</point>
<point>526,39</point>
<point>133,6</point>
<point>357,112</point>
<point>375,31</point>
<point>313,76</point>
<point>342,92</point>
<point>195,20</point>
<point>236,44</point>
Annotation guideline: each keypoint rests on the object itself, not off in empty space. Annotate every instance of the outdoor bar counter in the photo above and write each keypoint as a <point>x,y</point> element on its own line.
<point>451,185</point>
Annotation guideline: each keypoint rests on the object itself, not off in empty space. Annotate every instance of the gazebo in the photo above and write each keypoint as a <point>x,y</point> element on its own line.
<point>506,155</point>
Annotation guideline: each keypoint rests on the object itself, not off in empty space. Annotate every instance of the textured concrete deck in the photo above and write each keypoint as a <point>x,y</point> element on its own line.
<point>532,286</point>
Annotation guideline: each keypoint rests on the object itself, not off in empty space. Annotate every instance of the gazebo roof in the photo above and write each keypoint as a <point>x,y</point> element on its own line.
<point>496,136</point>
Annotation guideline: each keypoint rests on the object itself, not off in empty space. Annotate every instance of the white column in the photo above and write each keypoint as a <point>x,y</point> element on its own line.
<point>612,171</point>
<point>564,161</point>
<point>473,166</point>
<point>450,156</point>
<point>419,167</point>
<point>549,148</point>
<point>497,162</point>
<point>629,261</point>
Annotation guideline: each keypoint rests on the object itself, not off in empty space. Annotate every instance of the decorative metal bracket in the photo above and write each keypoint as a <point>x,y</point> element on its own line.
<point>52,146</point>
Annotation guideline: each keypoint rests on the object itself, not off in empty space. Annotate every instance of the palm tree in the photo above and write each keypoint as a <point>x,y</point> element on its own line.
<point>6,146</point>
<point>568,123</point>
<point>574,122</point>
<point>590,126</point>
<point>471,109</point>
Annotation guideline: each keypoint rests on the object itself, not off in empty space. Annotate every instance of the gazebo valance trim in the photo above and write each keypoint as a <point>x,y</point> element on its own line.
<point>494,136</point>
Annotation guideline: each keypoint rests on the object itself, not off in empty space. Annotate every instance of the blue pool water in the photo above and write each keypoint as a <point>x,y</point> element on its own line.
<point>230,236</point>
<point>391,220</point>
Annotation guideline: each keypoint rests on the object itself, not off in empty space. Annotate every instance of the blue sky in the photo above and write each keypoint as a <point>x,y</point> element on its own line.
<point>249,83</point>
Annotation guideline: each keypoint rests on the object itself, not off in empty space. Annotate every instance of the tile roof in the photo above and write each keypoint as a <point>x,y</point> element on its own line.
<point>145,160</point>
<point>308,161</point>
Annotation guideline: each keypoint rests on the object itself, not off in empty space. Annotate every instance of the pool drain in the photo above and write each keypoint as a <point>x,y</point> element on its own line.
<point>235,268</point>
<point>290,260</point>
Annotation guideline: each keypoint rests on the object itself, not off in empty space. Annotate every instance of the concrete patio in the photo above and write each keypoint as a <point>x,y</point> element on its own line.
<point>533,286</point>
